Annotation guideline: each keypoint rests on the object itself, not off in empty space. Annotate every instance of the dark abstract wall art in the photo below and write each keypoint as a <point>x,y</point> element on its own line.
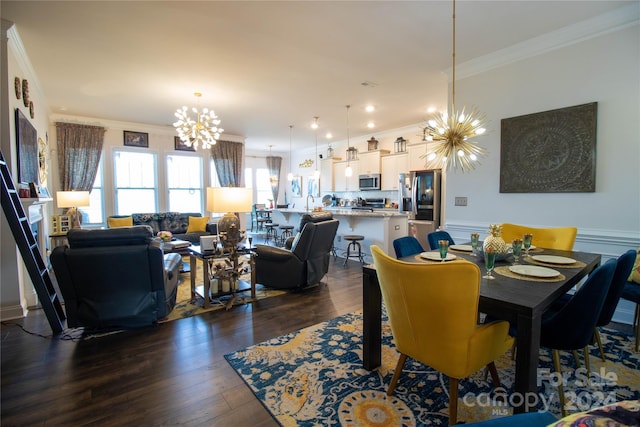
<point>549,152</point>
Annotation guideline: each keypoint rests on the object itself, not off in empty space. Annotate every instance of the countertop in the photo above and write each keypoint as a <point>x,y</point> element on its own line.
<point>341,211</point>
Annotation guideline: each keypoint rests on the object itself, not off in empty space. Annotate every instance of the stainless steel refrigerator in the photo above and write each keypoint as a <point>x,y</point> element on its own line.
<point>419,195</point>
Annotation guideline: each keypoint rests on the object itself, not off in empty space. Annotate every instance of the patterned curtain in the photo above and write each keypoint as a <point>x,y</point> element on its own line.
<point>228,159</point>
<point>274,164</point>
<point>79,151</point>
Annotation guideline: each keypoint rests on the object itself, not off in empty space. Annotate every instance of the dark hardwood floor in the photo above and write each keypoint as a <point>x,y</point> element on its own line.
<point>171,374</point>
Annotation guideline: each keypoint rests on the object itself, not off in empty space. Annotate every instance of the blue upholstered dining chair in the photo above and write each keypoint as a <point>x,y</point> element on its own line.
<point>631,292</point>
<point>407,245</point>
<point>434,236</point>
<point>624,264</point>
<point>571,326</point>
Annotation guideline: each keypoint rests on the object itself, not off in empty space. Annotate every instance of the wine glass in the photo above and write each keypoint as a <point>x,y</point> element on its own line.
<point>443,246</point>
<point>250,238</point>
<point>526,243</point>
<point>489,262</point>
<point>475,238</point>
<point>516,245</point>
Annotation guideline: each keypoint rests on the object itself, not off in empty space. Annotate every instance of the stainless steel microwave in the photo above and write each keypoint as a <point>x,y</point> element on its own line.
<point>369,182</point>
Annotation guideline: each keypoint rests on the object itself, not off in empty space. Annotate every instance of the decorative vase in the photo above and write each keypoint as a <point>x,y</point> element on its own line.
<point>494,241</point>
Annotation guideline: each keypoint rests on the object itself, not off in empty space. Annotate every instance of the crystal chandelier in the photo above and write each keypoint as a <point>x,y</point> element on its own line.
<point>453,133</point>
<point>204,130</point>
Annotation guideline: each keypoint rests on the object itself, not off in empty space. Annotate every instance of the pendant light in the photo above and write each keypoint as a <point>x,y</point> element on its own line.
<point>349,170</point>
<point>316,174</point>
<point>452,134</point>
<point>290,174</point>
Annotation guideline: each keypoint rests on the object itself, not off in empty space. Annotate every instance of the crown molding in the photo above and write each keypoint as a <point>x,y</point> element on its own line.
<point>606,23</point>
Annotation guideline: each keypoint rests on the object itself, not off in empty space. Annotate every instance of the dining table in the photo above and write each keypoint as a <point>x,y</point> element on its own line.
<point>520,299</point>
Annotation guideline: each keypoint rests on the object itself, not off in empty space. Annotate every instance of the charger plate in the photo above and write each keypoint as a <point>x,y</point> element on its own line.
<point>534,271</point>
<point>461,248</point>
<point>553,259</point>
<point>435,256</point>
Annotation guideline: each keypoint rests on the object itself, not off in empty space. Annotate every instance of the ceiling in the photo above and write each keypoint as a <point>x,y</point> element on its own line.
<point>265,65</point>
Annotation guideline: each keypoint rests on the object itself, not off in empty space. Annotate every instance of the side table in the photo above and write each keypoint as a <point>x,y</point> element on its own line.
<point>205,256</point>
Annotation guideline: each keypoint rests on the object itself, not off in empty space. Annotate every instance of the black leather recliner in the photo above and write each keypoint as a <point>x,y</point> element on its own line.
<point>115,278</point>
<point>306,262</point>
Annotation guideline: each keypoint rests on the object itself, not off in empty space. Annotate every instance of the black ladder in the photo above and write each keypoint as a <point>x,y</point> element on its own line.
<point>30,251</point>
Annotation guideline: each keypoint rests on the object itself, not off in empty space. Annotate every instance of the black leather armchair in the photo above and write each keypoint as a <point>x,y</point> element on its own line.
<point>115,278</point>
<point>306,263</point>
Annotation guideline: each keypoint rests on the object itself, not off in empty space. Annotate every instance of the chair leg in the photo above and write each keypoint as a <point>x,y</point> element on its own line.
<point>396,374</point>
<point>453,401</point>
<point>587,364</point>
<point>576,358</point>
<point>491,367</point>
<point>556,366</point>
<point>596,334</point>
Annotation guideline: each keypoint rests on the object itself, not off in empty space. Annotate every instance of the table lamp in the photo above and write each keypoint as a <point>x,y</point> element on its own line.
<point>72,200</point>
<point>229,200</point>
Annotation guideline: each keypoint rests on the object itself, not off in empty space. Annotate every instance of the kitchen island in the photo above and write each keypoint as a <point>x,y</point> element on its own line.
<point>378,226</point>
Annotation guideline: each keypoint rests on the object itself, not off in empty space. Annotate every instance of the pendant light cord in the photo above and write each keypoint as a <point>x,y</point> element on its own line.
<point>453,63</point>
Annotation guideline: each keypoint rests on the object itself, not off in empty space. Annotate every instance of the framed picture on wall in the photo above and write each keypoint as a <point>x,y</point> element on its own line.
<point>313,186</point>
<point>136,139</point>
<point>296,186</point>
<point>181,146</point>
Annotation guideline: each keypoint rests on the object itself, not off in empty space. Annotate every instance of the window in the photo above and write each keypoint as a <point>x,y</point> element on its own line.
<point>94,213</point>
<point>184,183</point>
<point>135,182</point>
<point>263,186</point>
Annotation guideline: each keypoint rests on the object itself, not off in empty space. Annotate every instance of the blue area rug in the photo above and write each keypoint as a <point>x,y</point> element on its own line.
<point>314,377</point>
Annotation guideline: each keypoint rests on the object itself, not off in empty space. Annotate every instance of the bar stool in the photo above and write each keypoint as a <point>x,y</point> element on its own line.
<point>354,243</point>
<point>286,231</point>
<point>272,233</point>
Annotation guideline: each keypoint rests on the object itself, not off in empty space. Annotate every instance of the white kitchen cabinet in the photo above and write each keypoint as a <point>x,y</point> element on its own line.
<point>417,163</point>
<point>392,165</point>
<point>340,181</point>
<point>327,184</point>
<point>370,161</point>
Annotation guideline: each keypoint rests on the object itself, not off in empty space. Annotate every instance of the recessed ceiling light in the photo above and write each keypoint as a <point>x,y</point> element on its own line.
<point>371,125</point>
<point>329,135</point>
<point>431,110</point>
<point>370,108</point>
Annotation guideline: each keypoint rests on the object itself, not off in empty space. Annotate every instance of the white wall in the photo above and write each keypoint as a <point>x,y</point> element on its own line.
<point>605,69</point>
<point>15,64</point>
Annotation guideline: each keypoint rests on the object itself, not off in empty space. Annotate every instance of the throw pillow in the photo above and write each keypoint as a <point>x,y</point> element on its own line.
<point>197,224</point>
<point>126,221</point>
<point>635,273</point>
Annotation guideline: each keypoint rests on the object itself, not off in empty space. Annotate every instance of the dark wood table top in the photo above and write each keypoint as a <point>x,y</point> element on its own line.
<point>523,295</point>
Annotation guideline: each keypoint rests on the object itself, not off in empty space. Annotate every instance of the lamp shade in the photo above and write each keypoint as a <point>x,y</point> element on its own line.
<point>72,199</point>
<point>229,199</point>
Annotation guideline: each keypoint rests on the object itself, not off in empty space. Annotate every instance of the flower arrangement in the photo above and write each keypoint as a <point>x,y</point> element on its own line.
<point>165,236</point>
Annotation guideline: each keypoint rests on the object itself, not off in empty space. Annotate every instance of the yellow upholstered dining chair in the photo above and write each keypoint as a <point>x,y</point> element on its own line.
<point>432,310</point>
<point>561,238</point>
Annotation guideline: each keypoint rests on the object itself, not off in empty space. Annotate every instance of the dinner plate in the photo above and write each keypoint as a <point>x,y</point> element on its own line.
<point>534,271</point>
<point>553,259</point>
<point>462,248</point>
<point>435,256</point>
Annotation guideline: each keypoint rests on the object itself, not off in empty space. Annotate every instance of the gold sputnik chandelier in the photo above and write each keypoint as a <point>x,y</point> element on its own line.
<point>453,133</point>
<point>203,130</point>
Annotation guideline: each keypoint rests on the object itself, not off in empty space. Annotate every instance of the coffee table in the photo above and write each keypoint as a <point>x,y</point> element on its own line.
<point>195,253</point>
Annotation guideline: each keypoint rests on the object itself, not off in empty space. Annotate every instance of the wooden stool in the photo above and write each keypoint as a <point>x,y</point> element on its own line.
<point>354,243</point>
<point>286,231</point>
<point>272,233</point>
